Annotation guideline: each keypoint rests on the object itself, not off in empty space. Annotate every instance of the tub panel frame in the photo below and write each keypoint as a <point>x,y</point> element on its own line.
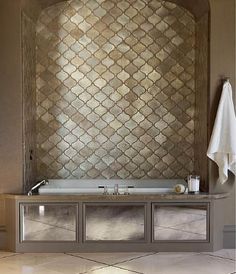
<point>150,245</point>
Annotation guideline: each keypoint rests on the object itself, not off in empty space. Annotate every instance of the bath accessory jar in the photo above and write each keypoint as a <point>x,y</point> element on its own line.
<point>193,183</point>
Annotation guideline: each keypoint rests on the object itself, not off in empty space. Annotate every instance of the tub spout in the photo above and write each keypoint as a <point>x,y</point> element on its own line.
<point>34,189</point>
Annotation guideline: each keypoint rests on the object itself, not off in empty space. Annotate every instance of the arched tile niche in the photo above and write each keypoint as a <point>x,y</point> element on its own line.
<point>121,90</point>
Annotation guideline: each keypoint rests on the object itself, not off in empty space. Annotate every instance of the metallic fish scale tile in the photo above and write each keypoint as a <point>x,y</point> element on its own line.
<point>115,93</point>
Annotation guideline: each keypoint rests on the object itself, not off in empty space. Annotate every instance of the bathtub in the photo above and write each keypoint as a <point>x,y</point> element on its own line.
<point>96,186</point>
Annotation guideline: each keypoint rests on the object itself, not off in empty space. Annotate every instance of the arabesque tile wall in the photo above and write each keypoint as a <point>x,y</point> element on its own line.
<point>115,90</point>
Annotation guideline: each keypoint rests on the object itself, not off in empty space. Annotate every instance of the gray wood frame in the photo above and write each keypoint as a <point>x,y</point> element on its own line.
<point>214,222</point>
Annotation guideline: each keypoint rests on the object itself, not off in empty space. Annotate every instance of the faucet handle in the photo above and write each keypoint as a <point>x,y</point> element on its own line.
<point>116,189</point>
<point>105,190</point>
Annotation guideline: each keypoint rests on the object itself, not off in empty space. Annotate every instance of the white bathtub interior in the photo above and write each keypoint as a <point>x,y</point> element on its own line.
<point>96,186</point>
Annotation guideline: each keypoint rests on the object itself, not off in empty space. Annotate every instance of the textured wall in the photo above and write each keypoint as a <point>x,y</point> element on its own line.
<point>201,84</point>
<point>29,100</point>
<point>11,158</point>
<point>2,212</point>
<point>222,56</point>
<point>115,90</point>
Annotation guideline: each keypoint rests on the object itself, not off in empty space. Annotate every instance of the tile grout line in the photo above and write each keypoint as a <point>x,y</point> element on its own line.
<point>117,267</point>
<point>111,265</point>
<point>133,271</point>
<point>132,259</point>
<point>92,260</point>
<point>12,255</point>
<point>125,261</point>
<point>103,267</point>
<point>217,256</point>
<point>122,268</point>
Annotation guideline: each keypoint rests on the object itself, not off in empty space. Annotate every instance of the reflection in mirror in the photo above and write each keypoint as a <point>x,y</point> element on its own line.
<point>115,222</point>
<point>49,222</point>
<point>180,222</point>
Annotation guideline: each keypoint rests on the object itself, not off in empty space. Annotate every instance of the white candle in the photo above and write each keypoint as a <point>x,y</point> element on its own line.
<point>193,185</point>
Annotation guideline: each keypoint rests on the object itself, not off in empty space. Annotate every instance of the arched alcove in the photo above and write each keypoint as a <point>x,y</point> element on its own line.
<point>155,76</point>
<point>197,7</point>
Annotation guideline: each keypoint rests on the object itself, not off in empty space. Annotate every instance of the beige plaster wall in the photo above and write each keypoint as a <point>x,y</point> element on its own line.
<point>10,101</point>
<point>11,98</point>
<point>222,64</point>
<point>2,212</point>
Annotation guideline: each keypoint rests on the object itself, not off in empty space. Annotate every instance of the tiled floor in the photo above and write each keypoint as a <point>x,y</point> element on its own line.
<point>220,262</point>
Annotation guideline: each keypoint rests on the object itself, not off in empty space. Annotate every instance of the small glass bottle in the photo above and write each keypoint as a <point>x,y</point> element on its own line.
<point>193,183</point>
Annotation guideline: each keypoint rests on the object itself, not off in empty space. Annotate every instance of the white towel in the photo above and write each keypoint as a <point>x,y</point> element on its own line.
<point>222,147</point>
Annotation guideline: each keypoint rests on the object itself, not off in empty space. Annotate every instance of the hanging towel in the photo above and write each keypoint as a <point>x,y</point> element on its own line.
<point>222,147</point>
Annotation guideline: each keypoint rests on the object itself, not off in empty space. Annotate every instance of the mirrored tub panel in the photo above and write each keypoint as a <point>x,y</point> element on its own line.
<point>180,222</point>
<point>48,222</point>
<point>111,222</point>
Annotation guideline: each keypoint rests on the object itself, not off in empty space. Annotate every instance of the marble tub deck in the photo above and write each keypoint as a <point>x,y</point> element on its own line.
<point>220,262</point>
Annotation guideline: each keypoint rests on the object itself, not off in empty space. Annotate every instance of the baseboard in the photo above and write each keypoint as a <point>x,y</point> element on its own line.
<point>229,238</point>
<point>3,237</point>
